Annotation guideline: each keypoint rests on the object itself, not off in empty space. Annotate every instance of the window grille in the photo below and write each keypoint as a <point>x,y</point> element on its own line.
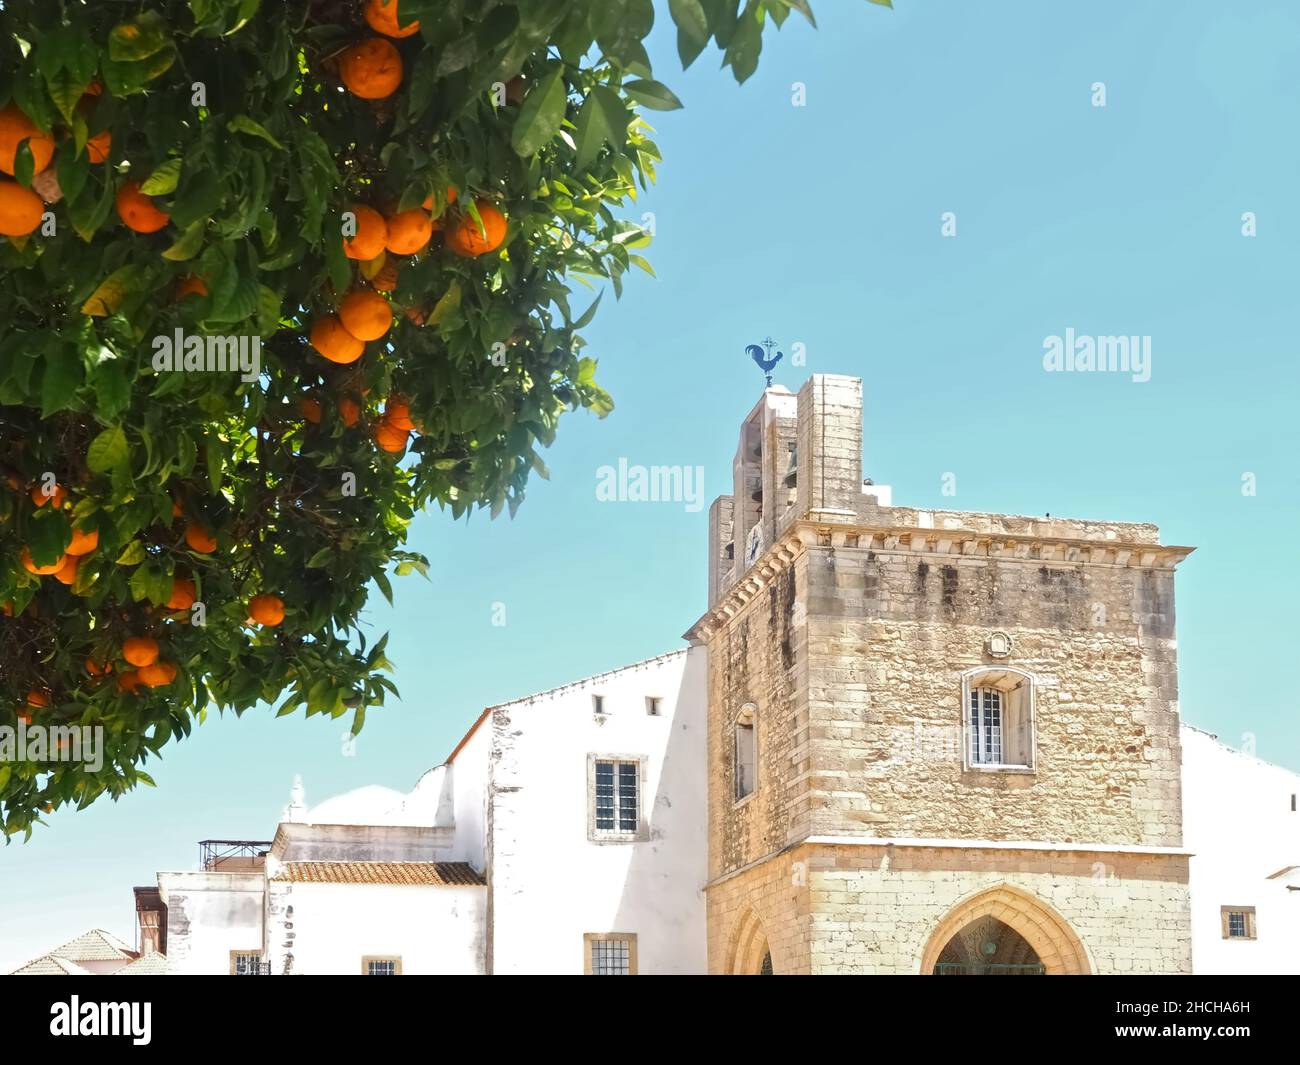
<point>986,726</point>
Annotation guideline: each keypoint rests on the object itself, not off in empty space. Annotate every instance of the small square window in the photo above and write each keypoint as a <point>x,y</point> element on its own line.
<point>381,966</point>
<point>246,963</point>
<point>653,704</point>
<point>609,954</point>
<point>1238,922</point>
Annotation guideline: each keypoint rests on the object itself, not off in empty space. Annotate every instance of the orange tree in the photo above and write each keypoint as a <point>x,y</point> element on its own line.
<point>277,276</point>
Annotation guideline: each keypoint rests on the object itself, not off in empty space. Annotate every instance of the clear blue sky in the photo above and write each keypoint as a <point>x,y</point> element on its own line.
<point>822,225</point>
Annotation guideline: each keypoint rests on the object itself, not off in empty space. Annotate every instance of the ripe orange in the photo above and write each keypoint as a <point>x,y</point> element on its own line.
<point>20,209</point>
<point>397,412</point>
<point>382,16</point>
<point>349,411</point>
<point>414,314</point>
<point>183,593</point>
<point>140,650</point>
<point>450,199</point>
<point>334,342</point>
<point>16,127</point>
<point>386,279</point>
<point>372,69</point>
<point>365,314</point>
<point>58,496</point>
<point>129,680</point>
<point>200,539</point>
<point>389,437</point>
<point>68,573</point>
<point>98,669</point>
<point>137,210</point>
<point>371,236</point>
<point>83,543</point>
<point>37,698</point>
<point>266,609</point>
<point>157,674</point>
<point>409,232</point>
<point>191,285</point>
<point>41,571</point>
<point>98,147</point>
<point>310,408</point>
<point>464,237</point>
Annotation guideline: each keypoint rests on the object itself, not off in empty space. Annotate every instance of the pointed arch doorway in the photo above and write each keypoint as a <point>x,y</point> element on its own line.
<point>1004,931</point>
<point>750,954</point>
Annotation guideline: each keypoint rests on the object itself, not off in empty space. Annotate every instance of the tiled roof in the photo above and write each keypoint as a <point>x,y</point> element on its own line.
<point>95,945</point>
<point>436,874</point>
<point>153,964</point>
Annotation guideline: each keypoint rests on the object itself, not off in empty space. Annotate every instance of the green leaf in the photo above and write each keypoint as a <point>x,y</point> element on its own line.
<point>447,305</point>
<point>693,31</point>
<point>244,124</point>
<point>63,375</point>
<point>594,132</point>
<point>48,536</point>
<point>164,179</point>
<point>652,94</point>
<point>138,39</point>
<point>542,113</point>
<point>24,164</point>
<point>189,243</point>
<point>132,555</point>
<point>107,450</point>
<point>65,90</point>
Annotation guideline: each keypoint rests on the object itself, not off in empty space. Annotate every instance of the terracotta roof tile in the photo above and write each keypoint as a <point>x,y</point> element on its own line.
<point>436,874</point>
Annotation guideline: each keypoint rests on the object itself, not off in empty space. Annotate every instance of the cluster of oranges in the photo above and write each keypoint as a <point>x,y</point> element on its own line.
<point>21,208</point>
<point>84,542</point>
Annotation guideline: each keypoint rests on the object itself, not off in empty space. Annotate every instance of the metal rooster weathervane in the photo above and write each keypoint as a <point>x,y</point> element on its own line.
<point>765,361</point>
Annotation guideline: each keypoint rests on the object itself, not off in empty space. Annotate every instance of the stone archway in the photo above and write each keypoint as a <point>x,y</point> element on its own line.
<point>748,953</point>
<point>1045,932</point>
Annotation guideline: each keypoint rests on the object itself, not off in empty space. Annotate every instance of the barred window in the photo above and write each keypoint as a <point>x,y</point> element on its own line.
<point>245,963</point>
<point>381,966</point>
<point>986,726</point>
<point>998,718</point>
<point>1238,922</point>
<point>610,954</point>
<point>615,798</point>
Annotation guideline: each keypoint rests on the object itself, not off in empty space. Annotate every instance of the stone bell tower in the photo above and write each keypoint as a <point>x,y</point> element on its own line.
<point>939,741</point>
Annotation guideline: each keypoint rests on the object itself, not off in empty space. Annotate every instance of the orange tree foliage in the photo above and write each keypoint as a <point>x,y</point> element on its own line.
<point>209,168</point>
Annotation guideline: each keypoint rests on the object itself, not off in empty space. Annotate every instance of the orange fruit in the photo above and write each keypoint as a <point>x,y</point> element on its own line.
<point>386,279</point>
<point>41,571</point>
<point>464,237</point>
<point>331,339</point>
<point>414,314</point>
<point>98,146</point>
<point>310,408</point>
<point>58,496</point>
<point>93,89</point>
<point>16,127</point>
<point>371,70</point>
<point>397,412</point>
<point>177,510</point>
<point>98,669</point>
<point>37,698</point>
<point>20,209</point>
<point>349,411</point>
<point>68,573</point>
<point>365,314</point>
<point>140,650</point>
<point>137,210</point>
<point>389,437</point>
<point>157,674</point>
<point>128,681</point>
<point>200,539</point>
<point>266,609</point>
<point>191,285</point>
<point>409,232</point>
<point>382,17</point>
<point>83,543</point>
<point>450,199</point>
<point>183,593</point>
<point>371,235</point>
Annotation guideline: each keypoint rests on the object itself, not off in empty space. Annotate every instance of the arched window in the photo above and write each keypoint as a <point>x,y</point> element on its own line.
<point>745,765</point>
<point>998,718</point>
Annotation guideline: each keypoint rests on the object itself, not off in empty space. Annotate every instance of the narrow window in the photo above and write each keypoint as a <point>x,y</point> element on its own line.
<point>610,954</point>
<point>999,718</point>
<point>615,799</point>
<point>381,966</point>
<point>746,753</point>
<point>1293,802</point>
<point>652,705</point>
<point>598,704</point>
<point>986,726</point>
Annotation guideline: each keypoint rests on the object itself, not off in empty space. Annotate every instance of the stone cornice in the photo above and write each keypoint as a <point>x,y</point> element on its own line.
<point>940,544</point>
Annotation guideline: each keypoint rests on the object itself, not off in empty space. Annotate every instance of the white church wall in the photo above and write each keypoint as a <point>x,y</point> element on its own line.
<point>1239,822</point>
<point>549,883</point>
<point>469,773</point>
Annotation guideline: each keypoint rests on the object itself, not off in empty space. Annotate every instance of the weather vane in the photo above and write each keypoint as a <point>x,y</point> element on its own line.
<point>765,361</point>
